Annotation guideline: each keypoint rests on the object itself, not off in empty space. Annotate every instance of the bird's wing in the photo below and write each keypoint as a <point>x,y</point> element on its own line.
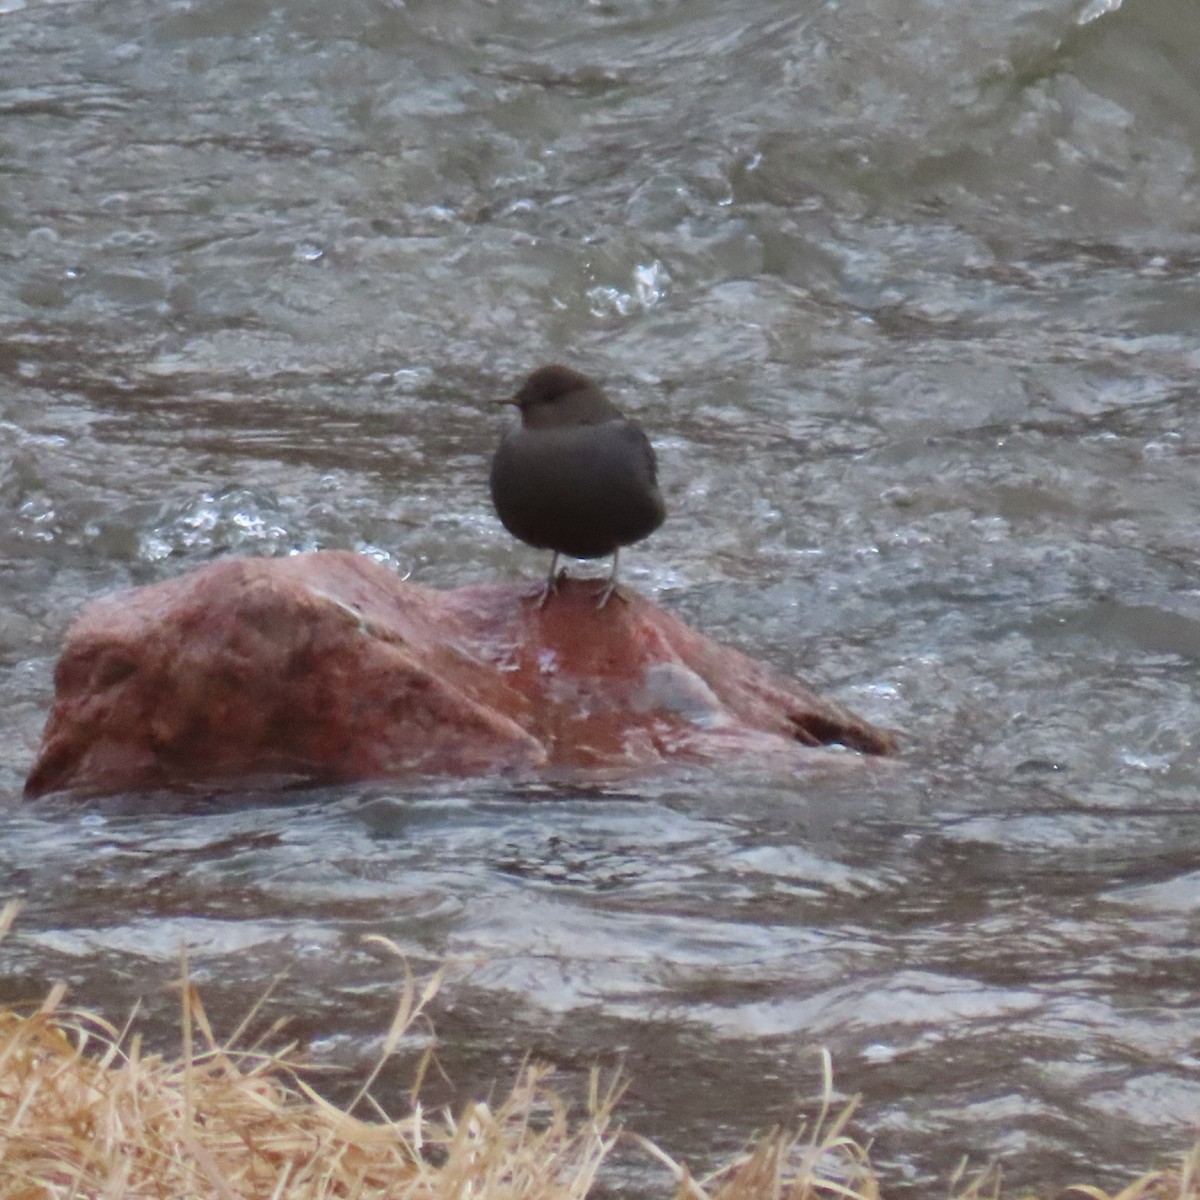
<point>635,437</point>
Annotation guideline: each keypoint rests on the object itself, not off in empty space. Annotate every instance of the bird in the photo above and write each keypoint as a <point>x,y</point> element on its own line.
<point>574,475</point>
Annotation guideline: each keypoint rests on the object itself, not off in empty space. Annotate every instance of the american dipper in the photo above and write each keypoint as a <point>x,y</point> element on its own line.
<point>575,476</point>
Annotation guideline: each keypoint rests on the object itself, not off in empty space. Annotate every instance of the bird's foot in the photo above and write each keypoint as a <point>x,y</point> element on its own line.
<point>540,595</point>
<point>549,588</point>
<point>608,591</point>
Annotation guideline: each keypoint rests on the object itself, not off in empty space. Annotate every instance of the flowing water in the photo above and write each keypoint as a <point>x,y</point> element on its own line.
<point>907,295</point>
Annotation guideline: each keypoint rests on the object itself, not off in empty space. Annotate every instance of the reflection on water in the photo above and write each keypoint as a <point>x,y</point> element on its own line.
<point>908,304</point>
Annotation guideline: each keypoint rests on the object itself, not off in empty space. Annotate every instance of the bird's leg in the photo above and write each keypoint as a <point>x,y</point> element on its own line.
<point>610,589</point>
<point>549,587</point>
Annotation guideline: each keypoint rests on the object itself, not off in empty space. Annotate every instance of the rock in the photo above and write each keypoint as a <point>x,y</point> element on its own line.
<point>327,667</point>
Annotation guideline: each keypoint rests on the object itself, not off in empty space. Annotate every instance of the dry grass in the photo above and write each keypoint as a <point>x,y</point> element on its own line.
<point>84,1113</point>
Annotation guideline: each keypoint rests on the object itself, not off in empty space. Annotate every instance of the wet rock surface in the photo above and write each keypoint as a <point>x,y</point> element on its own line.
<point>327,667</point>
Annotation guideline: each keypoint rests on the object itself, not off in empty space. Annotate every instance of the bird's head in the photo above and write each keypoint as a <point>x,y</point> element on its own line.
<point>556,395</point>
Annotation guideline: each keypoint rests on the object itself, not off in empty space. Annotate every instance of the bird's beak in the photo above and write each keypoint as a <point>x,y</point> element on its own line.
<point>508,400</point>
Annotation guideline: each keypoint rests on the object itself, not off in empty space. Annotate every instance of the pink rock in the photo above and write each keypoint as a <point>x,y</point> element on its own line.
<point>328,667</point>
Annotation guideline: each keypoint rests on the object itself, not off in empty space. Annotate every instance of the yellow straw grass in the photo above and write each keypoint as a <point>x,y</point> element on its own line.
<point>85,1114</point>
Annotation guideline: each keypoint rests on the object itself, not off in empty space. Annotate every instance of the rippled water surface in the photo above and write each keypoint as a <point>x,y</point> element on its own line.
<point>908,298</point>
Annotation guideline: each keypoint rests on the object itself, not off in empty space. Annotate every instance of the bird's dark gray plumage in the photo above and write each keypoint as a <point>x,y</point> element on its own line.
<point>575,476</point>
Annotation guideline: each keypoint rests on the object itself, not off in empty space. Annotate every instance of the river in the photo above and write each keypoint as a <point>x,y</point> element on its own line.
<point>906,296</point>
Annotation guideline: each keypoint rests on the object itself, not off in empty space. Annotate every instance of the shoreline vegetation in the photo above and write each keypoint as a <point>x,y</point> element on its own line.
<point>86,1112</point>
